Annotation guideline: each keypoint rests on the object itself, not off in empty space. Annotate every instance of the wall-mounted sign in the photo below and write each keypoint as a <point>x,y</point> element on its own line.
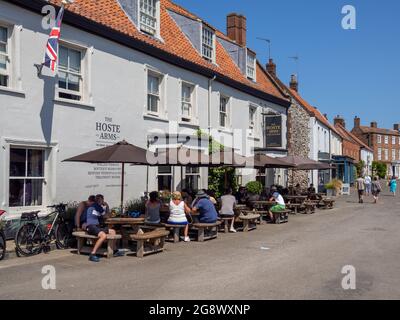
<point>273,131</point>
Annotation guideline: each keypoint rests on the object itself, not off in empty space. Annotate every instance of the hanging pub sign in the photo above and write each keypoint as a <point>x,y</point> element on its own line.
<point>273,131</point>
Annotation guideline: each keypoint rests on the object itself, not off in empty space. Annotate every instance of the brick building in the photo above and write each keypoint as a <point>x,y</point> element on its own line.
<point>384,142</point>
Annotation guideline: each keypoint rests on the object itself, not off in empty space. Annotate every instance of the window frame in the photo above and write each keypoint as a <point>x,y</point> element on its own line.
<point>386,139</point>
<point>164,174</point>
<point>27,177</point>
<point>379,154</point>
<point>207,45</point>
<point>226,113</point>
<point>156,17</point>
<point>160,96</point>
<point>6,72</point>
<point>188,118</point>
<point>253,67</point>
<point>192,175</point>
<point>393,140</point>
<point>394,154</point>
<point>386,152</point>
<point>379,139</point>
<point>81,75</point>
<point>253,126</point>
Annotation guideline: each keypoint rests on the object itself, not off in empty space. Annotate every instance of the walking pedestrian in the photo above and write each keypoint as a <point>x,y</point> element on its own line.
<point>393,185</point>
<point>360,184</point>
<point>376,189</point>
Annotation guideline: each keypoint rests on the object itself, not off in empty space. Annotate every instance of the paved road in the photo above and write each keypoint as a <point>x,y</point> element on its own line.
<point>299,260</point>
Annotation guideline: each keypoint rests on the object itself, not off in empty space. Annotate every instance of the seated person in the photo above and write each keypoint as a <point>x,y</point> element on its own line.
<point>186,196</point>
<point>312,192</point>
<point>203,205</point>
<point>153,206</point>
<point>228,202</point>
<point>297,190</point>
<point>211,196</point>
<point>94,228</point>
<point>280,203</point>
<point>241,196</point>
<point>178,210</point>
<point>104,205</point>
<point>81,212</point>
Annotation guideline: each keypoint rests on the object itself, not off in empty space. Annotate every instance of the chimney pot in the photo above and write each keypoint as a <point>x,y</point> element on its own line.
<point>294,85</point>
<point>340,120</point>
<point>374,124</point>
<point>396,126</point>
<point>357,122</point>
<point>271,67</point>
<point>236,28</point>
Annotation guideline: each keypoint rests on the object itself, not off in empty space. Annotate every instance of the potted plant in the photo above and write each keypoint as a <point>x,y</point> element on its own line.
<point>254,189</point>
<point>135,206</point>
<point>165,196</point>
<point>334,187</point>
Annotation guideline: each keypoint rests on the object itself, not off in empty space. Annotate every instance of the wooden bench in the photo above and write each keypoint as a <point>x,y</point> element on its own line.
<point>225,222</point>
<point>309,207</point>
<point>328,203</point>
<point>294,207</point>
<point>149,242</point>
<point>206,231</point>
<point>249,220</point>
<point>175,229</point>
<point>83,236</point>
<point>281,216</point>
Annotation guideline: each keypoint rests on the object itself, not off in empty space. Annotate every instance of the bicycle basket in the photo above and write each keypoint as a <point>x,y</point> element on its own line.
<point>29,216</point>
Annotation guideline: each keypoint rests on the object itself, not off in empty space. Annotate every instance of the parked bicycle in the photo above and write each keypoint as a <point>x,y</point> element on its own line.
<point>32,238</point>
<point>2,239</point>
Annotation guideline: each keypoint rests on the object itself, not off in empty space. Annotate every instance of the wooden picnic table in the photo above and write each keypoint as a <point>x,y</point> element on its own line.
<point>123,221</point>
<point>296,199</point>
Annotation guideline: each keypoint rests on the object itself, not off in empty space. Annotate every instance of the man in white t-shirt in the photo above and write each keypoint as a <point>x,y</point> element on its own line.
<point>228,203</point>
<point>280,203</point>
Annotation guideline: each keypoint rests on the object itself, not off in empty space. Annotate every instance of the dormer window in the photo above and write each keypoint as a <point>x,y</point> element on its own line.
<point>208,44</point>
<point>149,16</point>
<point>251,66</point>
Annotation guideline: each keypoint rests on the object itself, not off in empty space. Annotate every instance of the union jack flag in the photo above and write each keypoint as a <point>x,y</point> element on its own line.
<point>51,55</point>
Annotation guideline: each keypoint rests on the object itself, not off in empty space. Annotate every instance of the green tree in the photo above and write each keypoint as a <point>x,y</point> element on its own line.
<point>379,169</point>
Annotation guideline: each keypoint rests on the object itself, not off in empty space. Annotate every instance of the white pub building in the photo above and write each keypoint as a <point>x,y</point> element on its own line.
<point>128,69</point>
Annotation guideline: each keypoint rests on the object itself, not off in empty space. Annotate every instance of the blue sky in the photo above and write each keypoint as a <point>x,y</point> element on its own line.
<point>346,72</point>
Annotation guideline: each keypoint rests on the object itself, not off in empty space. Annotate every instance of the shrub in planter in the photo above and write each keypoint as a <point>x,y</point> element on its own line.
<point>254,187</point>
<point>334,187</point>
<point>136,205</point>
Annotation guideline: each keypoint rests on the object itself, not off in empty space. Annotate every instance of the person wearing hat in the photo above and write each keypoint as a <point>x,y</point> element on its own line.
<point>280,203</point>
<point>206,209</point>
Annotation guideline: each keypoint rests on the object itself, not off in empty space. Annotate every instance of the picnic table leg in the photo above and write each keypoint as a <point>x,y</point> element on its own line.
<point>245,225</point>
<point>226,222</point>
<point>176,234</point>
<point>200,235</point>
<point>110,248</point>
<point>140,248</point>
<point>80,244</point>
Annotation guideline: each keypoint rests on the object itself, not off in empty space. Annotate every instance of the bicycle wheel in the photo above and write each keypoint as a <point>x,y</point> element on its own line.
<point>63,236</point>
<point>2,246</point>
<point>28,240</point>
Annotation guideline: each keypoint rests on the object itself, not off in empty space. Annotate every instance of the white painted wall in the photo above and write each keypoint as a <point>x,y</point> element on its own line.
<point>117,78</point>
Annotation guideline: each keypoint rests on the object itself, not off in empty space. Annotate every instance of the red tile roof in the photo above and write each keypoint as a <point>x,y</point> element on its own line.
<point>347,135</point>
<point>366,129</point>
<point>110,14</point>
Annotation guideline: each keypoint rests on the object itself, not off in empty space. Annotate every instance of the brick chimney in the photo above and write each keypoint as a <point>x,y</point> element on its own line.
<point>357,122</point>
<point>294,85</point>
<point>326,116</point>
<point>271,67</point>
<point>236,28</point>
<point>339,120</point>
<point>396,126</point>
<point>374,124</point>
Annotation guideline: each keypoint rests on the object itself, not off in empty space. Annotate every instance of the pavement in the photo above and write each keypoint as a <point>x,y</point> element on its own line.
<point>302,259</point>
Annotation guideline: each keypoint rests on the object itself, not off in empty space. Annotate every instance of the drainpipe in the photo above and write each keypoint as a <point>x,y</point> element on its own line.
<point>210,81</point>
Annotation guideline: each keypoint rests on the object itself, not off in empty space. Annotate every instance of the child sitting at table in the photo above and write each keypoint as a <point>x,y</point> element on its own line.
<point>178,209</point>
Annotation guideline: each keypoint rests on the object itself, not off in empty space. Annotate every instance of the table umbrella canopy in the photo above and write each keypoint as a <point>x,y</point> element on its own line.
<point>264,161</point>
<point>303,163</point>
<point>121,152</point>
<point>230,159</point>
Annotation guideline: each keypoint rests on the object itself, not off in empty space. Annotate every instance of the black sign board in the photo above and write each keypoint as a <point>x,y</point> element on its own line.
<point>273,131</point>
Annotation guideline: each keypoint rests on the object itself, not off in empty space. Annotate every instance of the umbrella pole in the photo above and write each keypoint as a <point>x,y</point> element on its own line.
<point>122,187</point>
<point>147,181</point>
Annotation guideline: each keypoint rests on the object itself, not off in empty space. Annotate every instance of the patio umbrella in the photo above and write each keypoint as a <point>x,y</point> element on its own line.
<point>121,152</point>
<point>182,157</point>
<point>303,163</point>
<point>264,161</point>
